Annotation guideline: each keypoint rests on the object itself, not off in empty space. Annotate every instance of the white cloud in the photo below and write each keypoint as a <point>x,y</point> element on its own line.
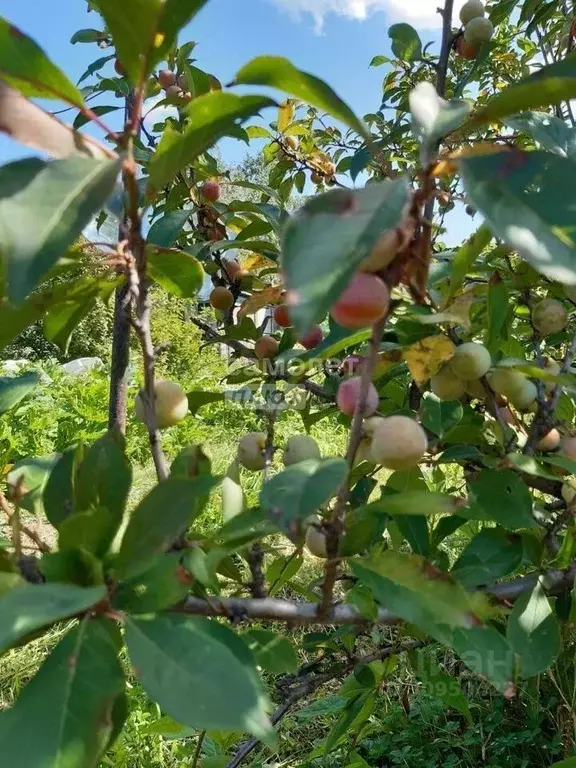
<point>156,114</point>
<point>420,13</point>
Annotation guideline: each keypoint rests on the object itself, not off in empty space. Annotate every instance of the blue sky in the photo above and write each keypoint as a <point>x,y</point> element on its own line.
<point>334,39</point>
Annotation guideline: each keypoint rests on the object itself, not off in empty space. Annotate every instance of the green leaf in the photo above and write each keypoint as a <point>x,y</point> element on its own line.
<point>175,656</point>
<point>14,389</point>
<point>32,607</point>
<point>356,712</point>
<point>99,109</point>
<point>415,503</point>
<point>209,120</point>
<point>406,43</point>
<point>570,763</point>
<point>61,320</point>
<point>549,131</point>
<point>487,653</point>
<point>160,587</point>
<point>84,679</point>
<point>526,198</point>
<point>278,72</point>
<point>465,257</point>
<point>25,66</point>
<point>419,593</point>
<point>272,652</point>
<point>143,31</point>
<point>498,307</point>
<point>440,416</point>
<point>72,566</point>
<point>298,491</point>
<point>31,476</point>
<point>533,632</point>
<point>339,229</point>
<point>43,209</point>
<point>439,684</point>
<point>58,496</point>
<point>92,531</point>
<point>87,36</point>
<point>502,496</point>
<point>197,399</point>
<point>551,85</point>
<point>14,319</point>
<point>160,518</point>
<point>490,555</point>
<point>178,272</point>
<point>104,476</point>
<point>165,231</point>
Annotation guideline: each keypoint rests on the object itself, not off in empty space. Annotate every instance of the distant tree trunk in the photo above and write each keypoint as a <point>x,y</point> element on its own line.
<point>117,404</point>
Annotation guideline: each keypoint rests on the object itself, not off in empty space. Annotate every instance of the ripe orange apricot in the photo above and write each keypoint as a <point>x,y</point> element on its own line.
<point>166,78</point>
<point>232,268</point>
<point>210,190</point>
<point>312,338</point>
<point>348,397</point>
<point>282,316</point>
<point>221,298</point>
<point>363,302</point>
<point>266,347</point>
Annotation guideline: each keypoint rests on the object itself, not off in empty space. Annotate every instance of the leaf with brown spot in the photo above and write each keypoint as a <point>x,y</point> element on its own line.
<point>425,358</point>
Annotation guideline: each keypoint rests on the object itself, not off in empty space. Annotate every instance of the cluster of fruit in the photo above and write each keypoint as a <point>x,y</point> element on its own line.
<point>175,86</point>
<point>477,29</point>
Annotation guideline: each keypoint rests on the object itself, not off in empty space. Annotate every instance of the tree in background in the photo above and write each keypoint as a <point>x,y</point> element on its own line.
<point>451,370</point>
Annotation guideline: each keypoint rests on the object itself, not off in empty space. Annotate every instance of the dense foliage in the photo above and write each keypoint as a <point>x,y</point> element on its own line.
<point>437,508</point>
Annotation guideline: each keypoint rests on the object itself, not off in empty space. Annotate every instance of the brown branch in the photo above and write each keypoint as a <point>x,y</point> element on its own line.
<point>311,683</point>
<point>5,507</point>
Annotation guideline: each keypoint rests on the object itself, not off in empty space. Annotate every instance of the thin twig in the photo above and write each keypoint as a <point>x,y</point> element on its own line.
<point>198,752</point>
<point>5,507</point>
<point>335,527</point>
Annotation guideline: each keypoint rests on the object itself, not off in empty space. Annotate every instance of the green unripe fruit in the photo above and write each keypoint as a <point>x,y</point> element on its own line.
<point>447,386</point>
<point>170,401</point>
<point>549,316</point>
<point>478,30</point>
<point>316,542</point>
<point>398,443</point>
<point>475,388</point>
<point>251,451</point>
<point>471,361</point>
<point>299,448</point>
<point>473,9</point>
<point>505,381</point>
<point>524,398</point>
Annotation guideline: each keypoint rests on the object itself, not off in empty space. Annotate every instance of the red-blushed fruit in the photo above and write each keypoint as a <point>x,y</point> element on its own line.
<point>363,302</point>
<point>398,443</point>
<point>282,316</point>
<point>173,92</point>
<point>550,441</point>
<point>266,347</point>
<point>568,447</point>
<point>120,70</point>
<point>466,50</point>
<point>182,82</point>
<point>171,404</point>
<point>210,190</point>
<point>232,268</point>
<point>311,339</point>
<point>316,177</point>
<point>348,397</point>
<point>166,78</point>
<point>221,298</point>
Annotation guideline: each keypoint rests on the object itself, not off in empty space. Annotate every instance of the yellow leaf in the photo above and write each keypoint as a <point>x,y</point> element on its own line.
<point>285,114</point>
<point>427,356</point>
<point>158,39</point>
<point>457,312</point>
<point>256,261</point>
<point>449,164</point>
<point>271,295</point>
